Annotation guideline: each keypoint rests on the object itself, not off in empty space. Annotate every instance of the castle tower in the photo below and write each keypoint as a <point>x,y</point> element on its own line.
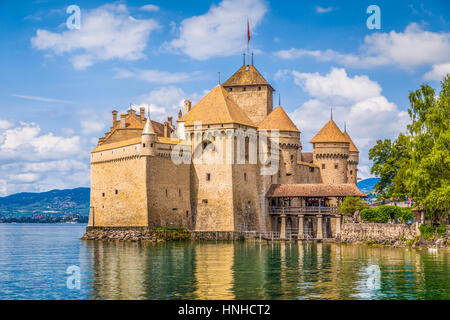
<point>248,88</point>
<point>289,139</point>
<point>331,153</point>
<point>353,160</point>
<point>149,139</point>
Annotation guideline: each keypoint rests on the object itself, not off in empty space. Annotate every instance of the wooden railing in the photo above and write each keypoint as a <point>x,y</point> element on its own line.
<point>303,210</point>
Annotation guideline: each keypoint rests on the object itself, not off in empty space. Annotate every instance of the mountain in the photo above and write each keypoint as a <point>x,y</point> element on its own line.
<point>70,202</point>
<point>368,185</point>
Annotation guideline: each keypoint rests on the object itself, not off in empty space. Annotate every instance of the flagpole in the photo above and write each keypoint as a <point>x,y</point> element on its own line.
<point>248,42</point>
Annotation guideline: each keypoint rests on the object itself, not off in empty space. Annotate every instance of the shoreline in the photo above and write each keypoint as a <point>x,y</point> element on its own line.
<point>145,234</point>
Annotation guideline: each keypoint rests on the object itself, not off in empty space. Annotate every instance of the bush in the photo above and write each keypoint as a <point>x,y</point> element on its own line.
<point>426,231</point>
<point>351,204</point>
<point>406,215</point>
<point>441,230</point>
<point>368,215</point>
<point>389,212</point>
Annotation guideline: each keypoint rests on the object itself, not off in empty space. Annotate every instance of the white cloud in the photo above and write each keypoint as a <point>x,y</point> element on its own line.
<point>34,161</point>
<point>90,126</point>
<point>324,10</point>
<point>411,48</point>
<point>36,98</point>
<point>437,72</point>
<point>107,32</point>
<point>356,100</point>
<point>149,8</point>
<point>222,31</point>
<point>154,76</point>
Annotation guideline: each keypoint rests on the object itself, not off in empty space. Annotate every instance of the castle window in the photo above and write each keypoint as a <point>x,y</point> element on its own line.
<point>336,166</point>
<point>323,165</point>
<point>167,193</point>
<point>151,146</point>
<point>311,169</point>
<point>179,192</point>
<point>205,201</point>
<point>231,89</point>
<point>245,176</point>
<point>279,174</point>
<point>117,191</point>
<point>143,145</point>
<point>259,88</point>
<point>288,174</point>
<point>103,194</point>
<point>351,172</point>
<point>244,89</point>
<point>208,177</point>
<point>187,213</point>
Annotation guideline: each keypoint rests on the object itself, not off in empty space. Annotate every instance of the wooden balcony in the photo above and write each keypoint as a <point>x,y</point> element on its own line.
<point>303,210</point>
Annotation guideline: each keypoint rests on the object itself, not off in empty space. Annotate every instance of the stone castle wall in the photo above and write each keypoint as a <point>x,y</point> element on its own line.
<point>256,101</point>
<point>332,161</point>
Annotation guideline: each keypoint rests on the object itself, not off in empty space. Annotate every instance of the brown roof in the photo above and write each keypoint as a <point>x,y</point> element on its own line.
<point>329,133</point>
<point>215,108</point>
<point>352,147</point>
<point>120,144</point>
<point>314,190</point>
<point>278,119</point>
<point>246,75</point>
<point>307,157</point>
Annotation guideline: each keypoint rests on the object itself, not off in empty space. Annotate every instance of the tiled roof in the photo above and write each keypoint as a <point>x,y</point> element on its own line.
<point>216,107</point>
<point>120,144</point>
<point>278,119</point>
<point>314,190</point>
<point>352,147</point>
<point>246,75</point>
<point>329,133</point>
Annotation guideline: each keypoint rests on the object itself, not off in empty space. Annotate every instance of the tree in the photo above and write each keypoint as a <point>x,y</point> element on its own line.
<point>351,204</point>
<point>428,170</point>
<point>417,164</point>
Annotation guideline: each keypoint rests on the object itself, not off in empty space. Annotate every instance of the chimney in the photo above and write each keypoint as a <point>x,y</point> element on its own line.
<point>122,120</point>
<point>187,106</point>
<point>114,113</point>
<point>166,129</point>
<point>180,114</point>
<point>142,113</point>
<point>169,119</point>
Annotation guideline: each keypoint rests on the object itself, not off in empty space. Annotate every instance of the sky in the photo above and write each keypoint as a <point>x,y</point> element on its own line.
<point>58,85</point>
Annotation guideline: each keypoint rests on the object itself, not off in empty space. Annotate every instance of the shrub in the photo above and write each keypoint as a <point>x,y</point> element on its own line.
<point>391,212</point>
<point>351,204</point>
<point>406,215</point>
<point>441,230</point>
<point>426,231</point>
<point>368,215</point>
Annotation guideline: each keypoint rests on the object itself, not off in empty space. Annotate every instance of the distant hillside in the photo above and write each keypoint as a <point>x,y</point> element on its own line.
<point>51,203</point>
<point>368,185</point>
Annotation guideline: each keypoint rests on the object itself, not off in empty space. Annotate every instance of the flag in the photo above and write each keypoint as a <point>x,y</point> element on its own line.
<point>248,31</point>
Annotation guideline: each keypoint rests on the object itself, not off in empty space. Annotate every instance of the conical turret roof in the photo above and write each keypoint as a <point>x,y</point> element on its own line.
<point>352,147</point>
<point>148,128</point>
<point>216,107</point>
<point>278,120</point>
<point>329,133</point>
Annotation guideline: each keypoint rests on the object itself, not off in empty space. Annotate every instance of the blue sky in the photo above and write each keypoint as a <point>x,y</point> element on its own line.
<point>59,86</point>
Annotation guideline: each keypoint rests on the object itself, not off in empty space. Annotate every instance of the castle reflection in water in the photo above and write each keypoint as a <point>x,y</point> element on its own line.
<point>253,270</point>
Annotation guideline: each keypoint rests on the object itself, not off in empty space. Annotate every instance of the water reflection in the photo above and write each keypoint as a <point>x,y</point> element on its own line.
<point>254,270</point>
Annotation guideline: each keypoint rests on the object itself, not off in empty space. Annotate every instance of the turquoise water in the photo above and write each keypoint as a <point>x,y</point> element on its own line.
<point>34,259</point>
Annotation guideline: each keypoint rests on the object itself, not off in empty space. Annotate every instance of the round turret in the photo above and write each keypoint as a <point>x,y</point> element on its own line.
<point>149,139</point>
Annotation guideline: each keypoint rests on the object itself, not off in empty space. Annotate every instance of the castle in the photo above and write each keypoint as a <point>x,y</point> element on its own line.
<point>232,162</point>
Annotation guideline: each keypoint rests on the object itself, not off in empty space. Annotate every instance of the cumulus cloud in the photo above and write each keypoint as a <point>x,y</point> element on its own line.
<point>107,32</point>
<point>357,101</point>
<point>221,31</point>
<point>155,76</point>
<point>34,161</point>
<point>409,49</point>
<point>437,72</point>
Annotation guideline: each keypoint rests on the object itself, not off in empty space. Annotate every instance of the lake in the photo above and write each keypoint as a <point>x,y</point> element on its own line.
<point>35,259</point>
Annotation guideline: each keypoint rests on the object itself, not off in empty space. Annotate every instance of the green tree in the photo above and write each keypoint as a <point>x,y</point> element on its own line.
<point>428,170</point>
<point>351,204</point>
<point>417,164</point>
